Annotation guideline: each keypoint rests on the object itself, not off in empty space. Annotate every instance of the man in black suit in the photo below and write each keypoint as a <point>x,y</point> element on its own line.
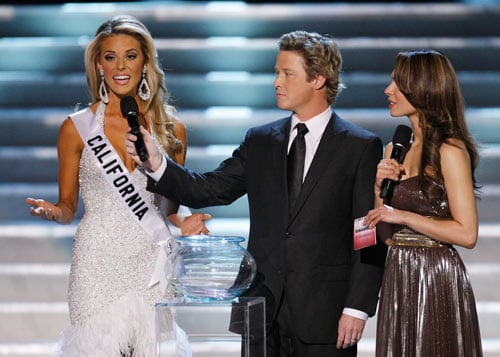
<point>319,291</point>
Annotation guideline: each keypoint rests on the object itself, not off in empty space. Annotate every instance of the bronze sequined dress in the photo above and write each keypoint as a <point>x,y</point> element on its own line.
<point>427,306</point>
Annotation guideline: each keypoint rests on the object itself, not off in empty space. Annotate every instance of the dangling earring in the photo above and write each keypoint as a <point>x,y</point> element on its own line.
<point>144,91</point>
<point>103,92</point>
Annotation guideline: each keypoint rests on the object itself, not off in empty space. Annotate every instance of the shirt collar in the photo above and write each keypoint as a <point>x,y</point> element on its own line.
<point>316,125</point>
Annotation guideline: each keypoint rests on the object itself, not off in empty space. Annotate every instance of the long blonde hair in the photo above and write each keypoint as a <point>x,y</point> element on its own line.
<point>156,108</point>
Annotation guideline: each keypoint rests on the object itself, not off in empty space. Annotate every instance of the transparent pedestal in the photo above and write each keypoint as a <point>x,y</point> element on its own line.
<point>211,329</point>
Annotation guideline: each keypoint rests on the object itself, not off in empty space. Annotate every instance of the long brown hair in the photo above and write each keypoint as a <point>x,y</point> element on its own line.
<point>429,82</point>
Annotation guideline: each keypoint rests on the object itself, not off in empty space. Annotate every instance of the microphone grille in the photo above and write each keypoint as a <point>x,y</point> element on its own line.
<point>127,105</point>
<point>402,135</point>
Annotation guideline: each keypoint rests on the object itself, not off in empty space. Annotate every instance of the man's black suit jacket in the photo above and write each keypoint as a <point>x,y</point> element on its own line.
<point>309,250</point>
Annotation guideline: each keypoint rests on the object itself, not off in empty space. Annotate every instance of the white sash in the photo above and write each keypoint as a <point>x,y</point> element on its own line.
<point>128,192</point>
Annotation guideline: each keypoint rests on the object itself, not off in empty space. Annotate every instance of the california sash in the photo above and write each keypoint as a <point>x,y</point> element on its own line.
<point>128,192</point>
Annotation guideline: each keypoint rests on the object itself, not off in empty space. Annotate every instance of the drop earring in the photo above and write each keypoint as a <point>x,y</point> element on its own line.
<point>103,92</point>
<point>144,92</point>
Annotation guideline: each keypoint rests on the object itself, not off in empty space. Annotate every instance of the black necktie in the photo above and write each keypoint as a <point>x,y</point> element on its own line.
<point>296,158</point>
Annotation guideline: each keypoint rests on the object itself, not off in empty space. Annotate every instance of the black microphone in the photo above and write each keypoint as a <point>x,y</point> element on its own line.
<point>400,141</point>
<point>129,108</point>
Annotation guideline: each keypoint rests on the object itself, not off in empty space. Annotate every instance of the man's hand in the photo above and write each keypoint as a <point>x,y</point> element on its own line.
<point>155,157</point>
<point>195,224</point>
<point>350,331</point>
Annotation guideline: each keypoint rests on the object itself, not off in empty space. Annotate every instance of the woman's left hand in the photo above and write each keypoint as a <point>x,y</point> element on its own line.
<point>383,213</point>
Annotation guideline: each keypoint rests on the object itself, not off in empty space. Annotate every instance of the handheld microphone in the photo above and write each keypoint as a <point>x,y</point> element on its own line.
<point>400,141</point>
<point>130,110</point>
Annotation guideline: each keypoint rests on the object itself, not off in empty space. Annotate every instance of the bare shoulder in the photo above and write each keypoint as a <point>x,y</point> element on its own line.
<point>455,160</point>
<point>68,130</point>
<point>179,127</point>
<point>69,136</point>
<point>453,148</point>
<point>178,122</point>
<point>68,127</point>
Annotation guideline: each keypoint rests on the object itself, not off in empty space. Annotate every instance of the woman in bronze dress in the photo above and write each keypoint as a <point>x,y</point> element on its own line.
<point>427,305</point>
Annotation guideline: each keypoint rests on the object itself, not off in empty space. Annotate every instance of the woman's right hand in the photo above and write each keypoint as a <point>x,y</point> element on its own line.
<point>44,209</point>
<point>387,168</point>
<point>155,158</point>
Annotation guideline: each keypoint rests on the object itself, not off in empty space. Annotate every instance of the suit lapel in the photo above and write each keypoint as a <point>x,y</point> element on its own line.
<point>280,134</point>
<point>329,146</point>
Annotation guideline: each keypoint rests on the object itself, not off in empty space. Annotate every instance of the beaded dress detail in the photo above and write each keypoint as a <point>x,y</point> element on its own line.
<point>111,307</point>
<point>427,306</point>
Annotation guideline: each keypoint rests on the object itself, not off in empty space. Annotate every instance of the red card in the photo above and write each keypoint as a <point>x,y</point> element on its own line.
<point>363,235</point>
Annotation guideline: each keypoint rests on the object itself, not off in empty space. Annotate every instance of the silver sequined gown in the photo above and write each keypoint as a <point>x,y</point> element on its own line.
<point>427,306</point>
<point>110,304</point>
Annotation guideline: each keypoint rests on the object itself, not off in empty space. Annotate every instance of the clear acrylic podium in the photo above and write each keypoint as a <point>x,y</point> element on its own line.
<point>211,329</point>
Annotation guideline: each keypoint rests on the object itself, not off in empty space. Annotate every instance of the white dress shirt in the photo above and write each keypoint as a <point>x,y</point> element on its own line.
<point>316,126</point>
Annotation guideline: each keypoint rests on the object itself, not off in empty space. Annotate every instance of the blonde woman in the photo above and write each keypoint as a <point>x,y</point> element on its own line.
<point>115,276</point>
